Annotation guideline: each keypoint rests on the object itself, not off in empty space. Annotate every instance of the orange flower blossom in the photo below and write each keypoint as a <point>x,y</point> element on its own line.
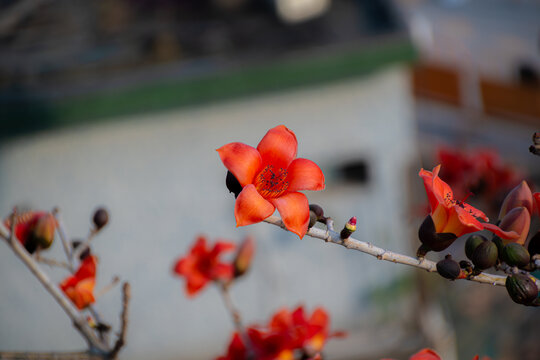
<point>202,265</point>
<point>271,176</point>
<point>453,216</point>
<point>80,286</point>
<point>286,332</point>
<point>428,354</point>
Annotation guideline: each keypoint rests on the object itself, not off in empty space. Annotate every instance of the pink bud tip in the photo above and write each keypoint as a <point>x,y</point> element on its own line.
<point>352,220</point>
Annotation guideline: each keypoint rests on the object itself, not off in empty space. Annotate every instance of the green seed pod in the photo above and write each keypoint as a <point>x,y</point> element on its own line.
<point>521,288</point>
<point>534,244</point>
<point>515,255</point>
<point>472,243</point>
<point>500,245</point>
<point>448,268</point>
<point>485,255</point>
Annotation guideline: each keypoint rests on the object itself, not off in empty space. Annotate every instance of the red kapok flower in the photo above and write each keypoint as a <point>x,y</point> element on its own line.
<point>537,198</point>
<point>34,229</point>
<point>271,177</point>
<point>265,345</point>
<point>453,216</point>
<point>425,354</point>
<point>202,265</point>
<point>80,286</point>
<point>305,333</point>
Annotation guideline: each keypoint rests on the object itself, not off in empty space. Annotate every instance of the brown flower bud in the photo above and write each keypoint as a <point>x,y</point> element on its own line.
<point>244,257</point>
<point>101,218</point>
<point>349,228</point>
<point>317,210</point>
<point>534,244</point>
<point>43,231</point>
<point>448,268</point>
<point>521,288</point>
<point>431,240</point>
<point>521,195</point>
<point>519,220</point>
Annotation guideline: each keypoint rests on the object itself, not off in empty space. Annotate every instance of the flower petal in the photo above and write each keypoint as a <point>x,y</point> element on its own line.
<point>251,207</point>
<point>294,210</point>
<point>511,235</point>
<point>278,147</point>
<point>304,174</point>
<point>425,354</point>
<point>242,160</point>
<point>195,283</point>
<point>537,198</point>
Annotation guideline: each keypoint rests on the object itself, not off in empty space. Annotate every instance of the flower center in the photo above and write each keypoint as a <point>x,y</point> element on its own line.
<point>271,182</point>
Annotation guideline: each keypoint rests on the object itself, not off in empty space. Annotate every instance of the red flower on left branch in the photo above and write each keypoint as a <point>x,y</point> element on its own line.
<point>202,265</point>
<point>34,229</point>
<point>80,286</point>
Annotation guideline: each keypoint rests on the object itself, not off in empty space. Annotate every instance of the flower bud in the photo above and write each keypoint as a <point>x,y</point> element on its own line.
<point>521,195</point>
<point>312,219</point>
<point>472,243</point>
<point>448,268</point>
<point>515,255</point>
<point>521,288</point>
<point>42,233</point>
<point>244,257</point>
<point>349,228</point>
<point>485,255</point>
<point>233,184</point>
<point>75,244</point>
<point>432,240</point>
<point>534,244</point>
<point>101,218</point>
<point>317,210</point>
<point>519,220</point>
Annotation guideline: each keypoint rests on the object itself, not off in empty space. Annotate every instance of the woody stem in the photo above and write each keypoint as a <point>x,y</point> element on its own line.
<point>235,315</point>
<point>331,236</point>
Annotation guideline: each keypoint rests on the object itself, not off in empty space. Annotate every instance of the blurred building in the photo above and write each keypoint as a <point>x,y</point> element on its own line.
<point>122,103</point>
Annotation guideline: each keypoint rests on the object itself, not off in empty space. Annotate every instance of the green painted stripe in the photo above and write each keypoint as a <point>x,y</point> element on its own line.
<point>35,115</point>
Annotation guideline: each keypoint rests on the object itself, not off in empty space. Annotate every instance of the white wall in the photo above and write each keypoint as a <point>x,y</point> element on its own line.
<point>163,182</point>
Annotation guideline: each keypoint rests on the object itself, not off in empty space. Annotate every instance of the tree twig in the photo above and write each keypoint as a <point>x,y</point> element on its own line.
<point>63,237</point>
<point>79,321</point>
<point>52,262</point>
<point>382,254</point>
<point>120,342</point>
<point>85,244</point>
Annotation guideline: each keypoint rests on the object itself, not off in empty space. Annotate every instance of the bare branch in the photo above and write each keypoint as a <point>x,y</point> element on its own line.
<point>85,245</point>
<point>120,342</point>
<point>52,262</point>
<point>382,254</point>
<point>78,320</point>
<point>63,237</point>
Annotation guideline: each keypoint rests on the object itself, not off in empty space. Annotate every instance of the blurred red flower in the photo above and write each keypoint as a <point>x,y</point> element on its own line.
<point>537,198</point>
<point>202,265</point>
<point>34,229</point>
<point>270,177</point>
<point>425,354</point>
<point>481,171</point>
<point>80,286</point>
<point>453,216</point>
<point>286,333</point>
